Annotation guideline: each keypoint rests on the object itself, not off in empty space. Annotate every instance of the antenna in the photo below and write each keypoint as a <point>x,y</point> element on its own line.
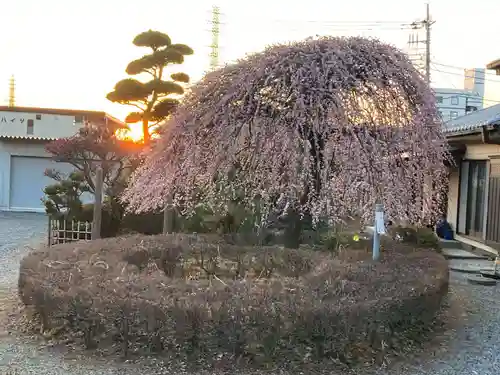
<point>214,54</point>
<point>12,91</point>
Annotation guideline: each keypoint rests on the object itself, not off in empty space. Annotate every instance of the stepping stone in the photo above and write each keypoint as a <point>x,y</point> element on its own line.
<point>479,280</point>
<point>490,273</point>
<point>466,268</point>
<point>462,254</point>
<point>450,244</point>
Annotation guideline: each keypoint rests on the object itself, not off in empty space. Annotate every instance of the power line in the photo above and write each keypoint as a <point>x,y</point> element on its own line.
<point>342,22</point>
<point>482,80</point>
<point>462,68</point>
<point>449,80</point>
<point>413,41</point>
<point>335,27</point>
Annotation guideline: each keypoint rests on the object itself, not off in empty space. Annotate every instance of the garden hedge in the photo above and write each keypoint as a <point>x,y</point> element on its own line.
<point>200,297</point>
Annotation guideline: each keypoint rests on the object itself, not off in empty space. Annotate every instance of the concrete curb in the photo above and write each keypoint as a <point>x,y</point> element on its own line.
<point>479,280</point>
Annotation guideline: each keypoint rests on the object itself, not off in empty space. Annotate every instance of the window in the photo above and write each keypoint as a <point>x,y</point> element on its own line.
<point>439,99</point>
<point>453,114</point>
<point>472,197</point>
<point>454,100</point>
<point>30,127</point>
<point>440,114</point>
<point>38,117</point>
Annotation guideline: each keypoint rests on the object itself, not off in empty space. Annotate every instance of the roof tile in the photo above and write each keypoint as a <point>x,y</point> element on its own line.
<point>474,120</point>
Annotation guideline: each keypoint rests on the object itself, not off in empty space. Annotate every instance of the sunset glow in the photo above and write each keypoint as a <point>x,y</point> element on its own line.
<point>134,132</point>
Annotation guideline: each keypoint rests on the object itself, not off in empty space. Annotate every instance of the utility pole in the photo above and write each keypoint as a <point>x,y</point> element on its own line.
<point>414,42</point>
<point>12,92</point>
<point>427,24</point>
<point>214,53</point>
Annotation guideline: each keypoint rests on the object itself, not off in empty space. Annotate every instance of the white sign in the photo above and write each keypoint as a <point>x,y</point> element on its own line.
<point>379,222</point>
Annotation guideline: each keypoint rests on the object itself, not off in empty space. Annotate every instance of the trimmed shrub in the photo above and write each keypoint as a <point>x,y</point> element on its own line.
<point>201,298</point>
<point>418,236</point>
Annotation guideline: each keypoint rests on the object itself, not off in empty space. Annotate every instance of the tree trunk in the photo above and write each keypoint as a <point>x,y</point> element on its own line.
<point>145,131</point>
<point>293,229</point>
<point>168,217</point>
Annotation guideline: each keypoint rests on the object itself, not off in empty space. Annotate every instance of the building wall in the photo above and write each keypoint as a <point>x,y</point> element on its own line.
<point>481,151</point>
<point>474,81</point>
<point>473,152</point>
<point>452,214</point>
<point>452,103</point>
<point>15,124</point>
<point>7,149</point>
<point>25,148</point>
<point>491,91</point>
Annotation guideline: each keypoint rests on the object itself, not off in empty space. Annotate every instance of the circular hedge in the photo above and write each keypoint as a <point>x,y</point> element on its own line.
<point>205,298</point>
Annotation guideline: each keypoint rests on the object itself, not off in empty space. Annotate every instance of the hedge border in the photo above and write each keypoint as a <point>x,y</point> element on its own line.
<point>321,330</point>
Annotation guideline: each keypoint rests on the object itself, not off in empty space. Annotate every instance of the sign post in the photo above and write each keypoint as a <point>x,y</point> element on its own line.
<point>379,229</point>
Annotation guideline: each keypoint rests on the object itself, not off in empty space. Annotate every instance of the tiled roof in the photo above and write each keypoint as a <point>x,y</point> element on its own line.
<point>494,64</point>
<point>59,111</point>
<point>27,137</point>
<point>474,120</point>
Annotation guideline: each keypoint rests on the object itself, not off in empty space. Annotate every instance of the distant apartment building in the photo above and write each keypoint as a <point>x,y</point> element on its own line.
<point>453,103</point>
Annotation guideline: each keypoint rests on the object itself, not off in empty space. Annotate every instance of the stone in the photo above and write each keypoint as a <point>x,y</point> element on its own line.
<point>461,254</point>
<point>479,280</point>
<point>465,268</point>
<point>490,273</point>
<point>450,244</point>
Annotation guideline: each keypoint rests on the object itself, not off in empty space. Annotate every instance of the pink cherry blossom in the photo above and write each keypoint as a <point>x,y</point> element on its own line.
<point>335,123</point>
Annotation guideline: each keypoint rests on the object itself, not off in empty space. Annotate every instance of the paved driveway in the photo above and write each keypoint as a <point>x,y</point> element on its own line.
<point>18,230</point>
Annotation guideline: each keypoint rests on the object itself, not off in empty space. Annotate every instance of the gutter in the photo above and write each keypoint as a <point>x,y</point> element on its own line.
<point>485,135</point>
<point>476,130</point>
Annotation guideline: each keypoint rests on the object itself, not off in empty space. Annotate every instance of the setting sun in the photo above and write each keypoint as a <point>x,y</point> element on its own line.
<point>134,132</point>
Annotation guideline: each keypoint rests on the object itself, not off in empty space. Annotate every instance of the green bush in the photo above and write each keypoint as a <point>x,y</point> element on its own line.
<point>198,298</point>
<point>419,236</point>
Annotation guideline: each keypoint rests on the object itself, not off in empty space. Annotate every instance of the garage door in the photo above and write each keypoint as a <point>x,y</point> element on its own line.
<point>27,181</point>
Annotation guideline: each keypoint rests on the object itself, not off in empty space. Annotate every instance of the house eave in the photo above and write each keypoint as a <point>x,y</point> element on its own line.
<point>494,65</point>
<point>26,138</point>
<point>473,129</point>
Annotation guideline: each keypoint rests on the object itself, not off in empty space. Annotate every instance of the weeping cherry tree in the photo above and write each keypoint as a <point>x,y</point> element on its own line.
<point>327,126</point>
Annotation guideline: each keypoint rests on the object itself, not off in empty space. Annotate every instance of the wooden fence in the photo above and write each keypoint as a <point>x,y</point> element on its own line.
<point>63,231</point>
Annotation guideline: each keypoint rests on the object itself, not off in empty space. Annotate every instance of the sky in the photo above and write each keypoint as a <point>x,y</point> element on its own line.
<point>69,54</point>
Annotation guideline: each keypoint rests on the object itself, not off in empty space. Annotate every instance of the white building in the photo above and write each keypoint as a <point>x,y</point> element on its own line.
<point>24,133</point>
<point>453,103</point>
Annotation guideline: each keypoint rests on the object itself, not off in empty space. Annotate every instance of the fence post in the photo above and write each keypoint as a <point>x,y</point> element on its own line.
<point>49,232</point>
<point>96,220</point>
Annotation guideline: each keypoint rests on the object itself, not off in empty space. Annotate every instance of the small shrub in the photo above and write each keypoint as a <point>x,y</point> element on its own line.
<point>420,236</point>
<point>10,371</point>
<point>201,298</point>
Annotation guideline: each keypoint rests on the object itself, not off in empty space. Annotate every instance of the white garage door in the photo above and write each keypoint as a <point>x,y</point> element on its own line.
<point>27,181</point>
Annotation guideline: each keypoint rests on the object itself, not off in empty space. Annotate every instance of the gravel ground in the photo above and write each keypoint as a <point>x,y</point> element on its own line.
<point>18,230</point>
<point>472,347</point>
